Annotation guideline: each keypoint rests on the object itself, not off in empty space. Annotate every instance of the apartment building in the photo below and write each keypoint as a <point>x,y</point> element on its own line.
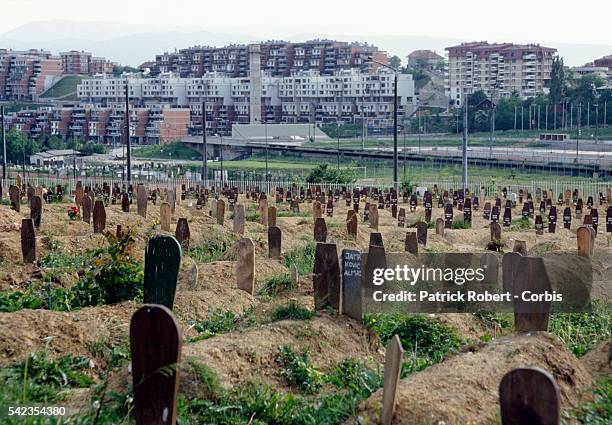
<point>26,74</point>
<point>499,69</point>
<point>278,58</point>
<point>84,63</point>
<point>102,124</point>
<point>306,97</point>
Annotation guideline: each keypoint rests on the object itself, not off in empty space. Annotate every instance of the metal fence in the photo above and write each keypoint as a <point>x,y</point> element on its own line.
<point>491,186</point>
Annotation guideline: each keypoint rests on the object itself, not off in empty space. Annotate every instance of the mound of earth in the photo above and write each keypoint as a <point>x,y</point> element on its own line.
<point>464,388</point>
<point>598,361</point>
<point>250,355</point>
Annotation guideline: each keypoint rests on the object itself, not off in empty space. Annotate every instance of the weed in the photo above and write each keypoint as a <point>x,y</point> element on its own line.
<point>290,213</point>
<point>298,371</point>
<point>219,322</point>
<point>292,311</point>
<point>582,331</point>
<point>213,249</point>
<point>40,379</point>
<point>460,224</point>
<point>419,334</point>
<point>302,257</point>
<point>277,284</point>
<point>519,225</point>
<point>597,412</point>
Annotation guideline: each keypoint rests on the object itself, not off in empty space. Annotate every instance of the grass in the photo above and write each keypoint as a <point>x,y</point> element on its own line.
<point>41,380</point>
<point>298,371</point>
<point>580,332</point>
<point>66,88</point>
<point>302,258</point>
<point>290,213</point>
<point>520,225</point>
<point>426,339</point>
<point>276,285</point>
<point>176,150</point>
<point>215,248</point>
<point>460,224</point>
<point>219,322</point>
<point>292,311</point>
<point>597,412</point>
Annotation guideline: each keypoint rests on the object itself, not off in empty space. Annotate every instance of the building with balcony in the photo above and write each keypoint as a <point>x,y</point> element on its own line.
<point>499,69</point>
<point>24,75</point>
<point>278,58</point>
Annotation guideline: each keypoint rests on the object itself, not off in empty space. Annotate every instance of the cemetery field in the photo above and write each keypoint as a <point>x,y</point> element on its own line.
<point>261,335</point>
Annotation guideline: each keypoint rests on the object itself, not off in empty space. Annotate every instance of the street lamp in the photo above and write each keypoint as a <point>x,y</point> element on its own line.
<point>395,72</point>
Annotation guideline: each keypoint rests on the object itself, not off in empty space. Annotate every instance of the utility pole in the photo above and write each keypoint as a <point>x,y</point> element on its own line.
<point>127,136</point>
<point>204,159</point>
<point>492,123</point>
<point>338,144</point>
<point>3,143</point>
<point>395,130</point>
<point>266,133</point>
<point>464,174</point>
<point>578,132</point>
<point>221,157</point>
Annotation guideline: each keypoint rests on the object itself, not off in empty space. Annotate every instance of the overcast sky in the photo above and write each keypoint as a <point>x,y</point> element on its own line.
<point>514,20</point>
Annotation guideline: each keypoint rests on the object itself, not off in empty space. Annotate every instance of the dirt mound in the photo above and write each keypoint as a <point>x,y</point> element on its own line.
<point>250,355</point>
<point>598,361</point>
<point>464,389</point>
<point>61,333</point>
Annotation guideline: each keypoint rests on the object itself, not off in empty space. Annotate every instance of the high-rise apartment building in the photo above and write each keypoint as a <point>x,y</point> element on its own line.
<point>278,58</point>
<point>83,63</point>
<point>498,69</point>
<point>26,74</point>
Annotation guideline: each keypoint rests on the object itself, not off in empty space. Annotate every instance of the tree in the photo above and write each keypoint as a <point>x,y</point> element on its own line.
<point>19,147</point>
<point>557,81</point>
<point>323,174</point>
<point>395,62</point>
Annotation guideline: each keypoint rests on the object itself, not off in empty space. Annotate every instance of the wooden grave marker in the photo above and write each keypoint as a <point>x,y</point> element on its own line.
<point>320,230</point>
<point>421,227</point>
<point>36,210</point>
<point>182,233</point>
<point>326,277</point>
<point>245,265</point>
<point>99,216</point>
<point>529,396</point>
<point>165,216</point>
<point>141,200</point>
<point>411,244</point>
<point>531,276</point>
<point>220,212</point>
<point>274,242</point>
<point>394,356</point>
<point>239,219</point>
<point>162,262</point>
<point>351,284</point>
<point>155,345</point>
<point>28,240</point>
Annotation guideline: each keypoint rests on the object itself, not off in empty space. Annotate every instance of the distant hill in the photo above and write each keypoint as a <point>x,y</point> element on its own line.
<point>132,44</point>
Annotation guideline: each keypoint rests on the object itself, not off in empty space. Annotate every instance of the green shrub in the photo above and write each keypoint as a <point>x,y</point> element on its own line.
<point>298,371</point>
<point>219,322</point>
<point>460,224</point>
<point>276,284</point>
<point>292,311</point>
<point>115,275</point>
<point>596,412</point>
<point>302,257</point>
<point>419,334</point>
<point>582,331</point>
<point>213,249</point>
<point>521,224</point>
<point>40,379</point>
